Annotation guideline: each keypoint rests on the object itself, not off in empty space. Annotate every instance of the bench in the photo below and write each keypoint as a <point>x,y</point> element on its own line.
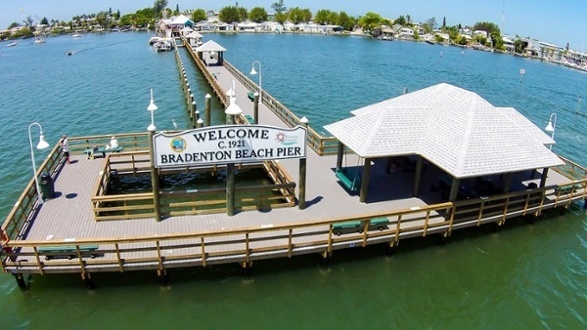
<point>251,96</point>
<point>351,185</point>
<point>93,153</point>
<point>68,251</point>
<point>349,226</point>
<point>378,223</point>
<point>356,225</point>
<point>567,189</point>
<point>250,119</point>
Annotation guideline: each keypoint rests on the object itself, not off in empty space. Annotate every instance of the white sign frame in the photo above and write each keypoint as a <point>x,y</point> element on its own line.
<point>226,144</point>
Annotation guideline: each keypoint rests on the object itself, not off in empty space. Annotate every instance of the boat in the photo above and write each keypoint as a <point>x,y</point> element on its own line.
<point>163,45</point>
<point>12,44</point>
<point>76,35</point>
<point>154,39</point>
<point>39,40</point>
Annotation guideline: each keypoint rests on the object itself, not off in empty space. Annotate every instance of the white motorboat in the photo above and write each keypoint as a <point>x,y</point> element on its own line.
<point>12,44</point>
<point>153,40</point>
<point>76,35</point>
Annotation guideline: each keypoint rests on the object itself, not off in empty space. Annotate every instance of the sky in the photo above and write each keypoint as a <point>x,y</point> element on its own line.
<point>556,22</point>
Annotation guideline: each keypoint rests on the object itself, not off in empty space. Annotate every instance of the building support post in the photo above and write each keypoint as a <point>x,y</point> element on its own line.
<point>154,178</point>
<point>230,189</point>
<point>418,176</point>
<point>544,177</point>
<point>339,155</point>
<point>507,182</point>
<point>454,190</point>
<point>365,180</point>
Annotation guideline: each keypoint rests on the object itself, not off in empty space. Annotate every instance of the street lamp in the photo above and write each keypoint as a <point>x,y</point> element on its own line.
<point>551,127</point>
<point>233,109</point>
<point>152,107</point>
<point>41,145</point>
<point>253,72</point>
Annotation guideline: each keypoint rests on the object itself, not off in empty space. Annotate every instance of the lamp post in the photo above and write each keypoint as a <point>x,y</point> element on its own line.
<point>152,107</point>
<point>41,145</point>
<point>154,177</point>
<point>233,109</point>
<point>254,72</point>
<point>551,127</point>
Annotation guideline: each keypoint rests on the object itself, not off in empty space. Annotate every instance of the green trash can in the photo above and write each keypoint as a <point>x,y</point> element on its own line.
<point>47,186</point>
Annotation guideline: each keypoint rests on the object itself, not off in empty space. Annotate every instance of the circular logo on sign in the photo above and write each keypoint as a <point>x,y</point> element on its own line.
<point>178,144</point>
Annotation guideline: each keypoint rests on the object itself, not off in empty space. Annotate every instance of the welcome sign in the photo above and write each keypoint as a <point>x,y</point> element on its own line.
<point>228,144</point>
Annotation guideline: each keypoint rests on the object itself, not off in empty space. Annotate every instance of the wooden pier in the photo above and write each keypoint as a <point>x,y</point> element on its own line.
<point>67,233</point>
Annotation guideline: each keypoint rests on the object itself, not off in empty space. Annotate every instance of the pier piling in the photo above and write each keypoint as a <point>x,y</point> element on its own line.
<point>207,110</point>
<point>90,285</point>
<point>22,285</point>
<point>195,115</point>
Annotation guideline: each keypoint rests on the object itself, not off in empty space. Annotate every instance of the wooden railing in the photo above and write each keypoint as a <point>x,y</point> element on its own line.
<point>27,203</point>
<point>204,248</point>
<point>126,206</point>
<point>188,93</point>
<point>269,240</point>
<point>209,77</point>
<point>129,142</point>
<point>194,201</point>
<point>571,169</point>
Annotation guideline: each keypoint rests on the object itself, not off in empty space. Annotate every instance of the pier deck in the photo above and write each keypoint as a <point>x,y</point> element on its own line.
<point>218,238</point>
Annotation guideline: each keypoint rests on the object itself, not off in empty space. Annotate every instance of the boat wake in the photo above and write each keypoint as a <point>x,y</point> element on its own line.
<point>97,47</point>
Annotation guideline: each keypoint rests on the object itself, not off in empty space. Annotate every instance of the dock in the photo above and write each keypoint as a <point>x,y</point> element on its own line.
<point>69,232</point>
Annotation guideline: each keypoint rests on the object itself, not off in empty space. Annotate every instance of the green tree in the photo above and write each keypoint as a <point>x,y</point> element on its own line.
<point>279,7</point>
<point>486,26</point>
<point>519,46</point>
<point>229,14</point>
<point>199,15</point>
<point>371,21</point>
<point>12,25</point>
<point>430,24</point>
<point>242,14</point>
<point>294,15</point>
<point>28,22</point>
<point>280,17</point>
<point>347,22</point>
<point>176,12</point>
<point>258,15</point>
<point>158,7</point>
<point>321,16</point>
<point>101,18</point>
<point>332,17</point>
<point>400,20</point>
<point>44,21</point>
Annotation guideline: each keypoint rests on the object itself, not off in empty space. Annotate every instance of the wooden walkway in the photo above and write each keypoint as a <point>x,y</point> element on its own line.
<point>69,217</point>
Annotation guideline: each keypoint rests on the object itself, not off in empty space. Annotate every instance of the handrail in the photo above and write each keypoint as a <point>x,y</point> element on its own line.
<point>290,238</point>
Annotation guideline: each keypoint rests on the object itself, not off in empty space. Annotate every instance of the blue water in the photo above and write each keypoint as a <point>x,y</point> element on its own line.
<point>523,276</point>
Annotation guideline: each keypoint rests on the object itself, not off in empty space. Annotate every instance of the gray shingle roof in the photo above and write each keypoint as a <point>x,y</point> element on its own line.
<point>455,129</point>
<point>210,46</point>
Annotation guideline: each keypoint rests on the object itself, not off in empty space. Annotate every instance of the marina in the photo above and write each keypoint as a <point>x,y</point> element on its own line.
<point>485,259</point>
<point>148,239</point>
